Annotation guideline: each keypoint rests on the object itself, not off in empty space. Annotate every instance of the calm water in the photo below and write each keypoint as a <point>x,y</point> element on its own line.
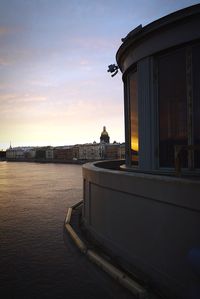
<point>37,257</point>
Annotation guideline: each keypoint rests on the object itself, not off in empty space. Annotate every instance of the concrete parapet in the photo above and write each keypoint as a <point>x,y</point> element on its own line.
<point>149,222</point>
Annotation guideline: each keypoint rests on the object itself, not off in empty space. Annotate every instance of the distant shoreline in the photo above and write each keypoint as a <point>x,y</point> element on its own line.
<point>78,162</point>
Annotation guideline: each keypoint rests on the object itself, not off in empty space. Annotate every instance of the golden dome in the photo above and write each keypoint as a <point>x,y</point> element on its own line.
<point>104,133</point>
<point>104,136</point>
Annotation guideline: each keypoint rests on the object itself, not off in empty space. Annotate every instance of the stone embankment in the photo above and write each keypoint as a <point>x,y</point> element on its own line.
<point>47,161</point>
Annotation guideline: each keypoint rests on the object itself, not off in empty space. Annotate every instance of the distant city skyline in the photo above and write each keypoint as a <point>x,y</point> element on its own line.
<point>54,85</point>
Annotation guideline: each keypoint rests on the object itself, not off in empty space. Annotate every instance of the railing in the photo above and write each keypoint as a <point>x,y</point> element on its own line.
<point>178,151</point>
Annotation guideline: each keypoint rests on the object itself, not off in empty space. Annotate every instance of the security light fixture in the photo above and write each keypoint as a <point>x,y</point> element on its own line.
<point>113,68</point>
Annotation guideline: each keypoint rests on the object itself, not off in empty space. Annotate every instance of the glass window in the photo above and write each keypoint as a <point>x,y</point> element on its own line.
<point>133,89</point>
<point>172,102</point>
<point>196,101</point>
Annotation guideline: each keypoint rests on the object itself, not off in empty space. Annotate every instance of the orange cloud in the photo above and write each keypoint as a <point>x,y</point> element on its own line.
<point>8,30</point>
<point>4,61</point>
<point>5,30</point>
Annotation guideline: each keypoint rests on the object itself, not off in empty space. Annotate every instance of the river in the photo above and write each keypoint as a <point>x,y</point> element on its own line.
<point>37,259</point>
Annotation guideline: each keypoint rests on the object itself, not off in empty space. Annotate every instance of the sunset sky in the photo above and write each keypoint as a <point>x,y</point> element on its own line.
<point>54,85</point>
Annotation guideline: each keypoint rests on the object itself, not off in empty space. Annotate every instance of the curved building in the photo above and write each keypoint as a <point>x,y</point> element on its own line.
<point>146,212</point>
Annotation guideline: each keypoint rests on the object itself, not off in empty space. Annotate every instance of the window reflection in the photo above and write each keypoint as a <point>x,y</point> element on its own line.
<point>134,117</point>
<point>172,96</point>
<point>196,101</point>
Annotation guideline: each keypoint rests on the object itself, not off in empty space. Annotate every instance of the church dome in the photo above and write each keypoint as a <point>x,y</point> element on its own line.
<point>104,133</point>
<point>104,136</point>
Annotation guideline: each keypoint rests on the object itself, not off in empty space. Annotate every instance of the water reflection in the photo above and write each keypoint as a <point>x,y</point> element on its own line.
<point>38,258</point>
<point>33,202</point>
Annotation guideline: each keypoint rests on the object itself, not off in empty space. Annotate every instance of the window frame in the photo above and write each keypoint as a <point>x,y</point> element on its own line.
<point>190,102</point>
<point>127,111</point>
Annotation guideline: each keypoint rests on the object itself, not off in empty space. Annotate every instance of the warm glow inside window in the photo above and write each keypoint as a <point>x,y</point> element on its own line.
<point>133,95</point>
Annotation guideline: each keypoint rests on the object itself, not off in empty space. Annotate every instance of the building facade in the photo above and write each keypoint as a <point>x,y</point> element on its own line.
<point>90,151</point>
<point>146,212</point>
<point>49,153</point>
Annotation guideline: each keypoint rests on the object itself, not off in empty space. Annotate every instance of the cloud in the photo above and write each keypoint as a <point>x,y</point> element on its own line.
<point>84,62</point>
<point>39,83</point>
<point>4,61</point>
<point>7,97</point>
<point>33,99</point>
<point>92,43</point>
<point>12,100</point>
<point>12,55</point>
<point>4,86</point>
<point>5,30</point>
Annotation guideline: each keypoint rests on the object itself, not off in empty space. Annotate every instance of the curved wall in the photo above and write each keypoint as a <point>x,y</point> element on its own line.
<point>170,31</point>
<point>160,65</point>
<point>149,223</point>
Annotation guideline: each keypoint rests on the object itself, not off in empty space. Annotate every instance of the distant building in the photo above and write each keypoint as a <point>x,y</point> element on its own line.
<point>66,153</point>
<point>40,153</point>
<point>2,155</point>
<point>10,153</point>
<point>49,153</point>
<point>90,151</point>
<point>111,151</point>
<point>30,153</point>
<point>61,153</point>
<point>84,152</point>
<point>16,153</point>
<point>75,152</point>
<point>121,150</point>
<point>104,138</point>
<point>20,153</point>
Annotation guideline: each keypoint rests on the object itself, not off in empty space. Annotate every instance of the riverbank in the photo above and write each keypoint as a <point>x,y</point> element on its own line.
<point>57,161</point>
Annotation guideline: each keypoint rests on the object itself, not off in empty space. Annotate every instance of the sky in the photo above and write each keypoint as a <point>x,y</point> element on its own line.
<point>54,56</point>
